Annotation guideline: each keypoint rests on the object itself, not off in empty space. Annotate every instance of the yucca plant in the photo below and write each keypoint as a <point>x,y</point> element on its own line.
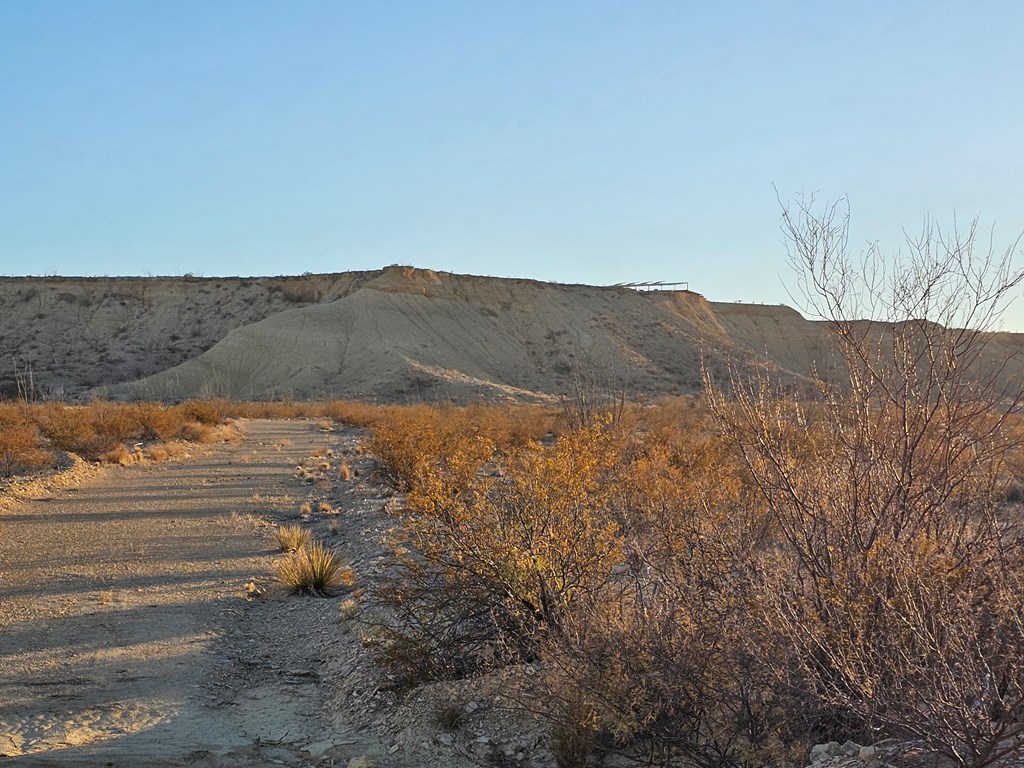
<point>314,569</point>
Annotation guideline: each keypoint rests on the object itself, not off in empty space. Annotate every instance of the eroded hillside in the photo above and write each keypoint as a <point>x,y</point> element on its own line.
<point>393,334</point>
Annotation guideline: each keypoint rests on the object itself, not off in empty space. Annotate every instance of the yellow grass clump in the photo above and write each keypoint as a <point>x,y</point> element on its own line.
<point>291,538</point>
<point>315,569</point>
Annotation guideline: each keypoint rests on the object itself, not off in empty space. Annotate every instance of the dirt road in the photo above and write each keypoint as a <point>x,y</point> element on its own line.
<point>126,638</point>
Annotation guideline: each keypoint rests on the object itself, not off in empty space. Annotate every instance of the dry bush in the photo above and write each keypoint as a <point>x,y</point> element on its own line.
<point>890,604</point>
<point>314,569</point>
<point>489,563</point>
<point>616,557</point>
<point>196,432</point>
<point>103,431</point>
<point>120,454</point>
<point>66,427</point>
<point>157,422</point>
<point>168,451</point>
<point>291,538</point>
<point>408,440</point>
<point>353,413</point>
<point>114,421</point>
<point>97,447</point>
<point>209,412</point>
<point>660,663</point>
<point>21,449</point>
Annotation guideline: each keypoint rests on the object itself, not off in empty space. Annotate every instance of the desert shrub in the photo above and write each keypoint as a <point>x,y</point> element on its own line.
<point>267,410</point>
<point>97,447</point>
<point>291,538</point>
<point>408,440</point>
<point>890,601</point>
<point>115,421</point>
<point>196,432</point>
<point>314,569</point>
<point>573,735</point>
<point>209,412</point>
<point>66,428</point>
<point>157,422</point>
<point>661,662</point>
<point>618,557</point>
<point>21,449</point>
<point>353,413</point>
<point>489,562</point>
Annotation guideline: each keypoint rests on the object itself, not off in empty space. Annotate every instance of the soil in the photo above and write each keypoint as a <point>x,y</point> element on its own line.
<point>139,624</point>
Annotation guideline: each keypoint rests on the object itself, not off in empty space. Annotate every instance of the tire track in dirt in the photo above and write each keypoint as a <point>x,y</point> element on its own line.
<point>125,635</point>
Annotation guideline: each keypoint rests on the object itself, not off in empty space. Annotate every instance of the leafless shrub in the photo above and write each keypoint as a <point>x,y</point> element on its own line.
<point>891,602</point>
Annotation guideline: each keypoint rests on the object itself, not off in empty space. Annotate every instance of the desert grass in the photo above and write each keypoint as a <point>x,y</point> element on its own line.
<point>291,538</point>
<point>315,570</point>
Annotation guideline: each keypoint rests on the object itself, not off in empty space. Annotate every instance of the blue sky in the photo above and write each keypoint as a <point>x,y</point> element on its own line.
<point>590,142</point>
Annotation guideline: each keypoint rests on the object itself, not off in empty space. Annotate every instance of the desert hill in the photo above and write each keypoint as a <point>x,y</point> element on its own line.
<point>393,334</point>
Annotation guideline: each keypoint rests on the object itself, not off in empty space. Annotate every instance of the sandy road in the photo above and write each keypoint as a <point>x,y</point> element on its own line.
<point>125,636</point>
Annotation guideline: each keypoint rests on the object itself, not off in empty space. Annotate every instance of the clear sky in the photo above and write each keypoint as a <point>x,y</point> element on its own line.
<point>586,141</point>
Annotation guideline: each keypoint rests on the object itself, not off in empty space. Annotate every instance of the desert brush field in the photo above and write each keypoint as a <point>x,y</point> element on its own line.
<point>232,583</point>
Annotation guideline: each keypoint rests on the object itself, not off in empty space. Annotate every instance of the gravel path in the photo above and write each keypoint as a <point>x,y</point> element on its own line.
<point>126,637</point>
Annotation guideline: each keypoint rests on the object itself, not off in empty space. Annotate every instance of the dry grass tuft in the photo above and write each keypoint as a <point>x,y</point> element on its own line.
<point>315,570</point>
<point>291,538</point>
<point>344,472</point>
<point>348,609</point>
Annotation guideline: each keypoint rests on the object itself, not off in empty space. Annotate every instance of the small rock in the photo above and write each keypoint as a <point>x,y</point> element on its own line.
<point>318,749</point>
<point>446,739</point>
<point>392,749</point>
<point>868,754</point>
<point>852,748</point>
<point>820,752</point>
<point>472,707</point>
<point>363,761</point>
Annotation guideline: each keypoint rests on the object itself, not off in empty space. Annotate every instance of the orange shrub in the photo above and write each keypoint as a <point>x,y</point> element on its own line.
<point>157,422</point>
<point>210,412</point>
<point>494,560</point>
<point>21,449</point>
<point>115,421</point>
<point>66,427</point>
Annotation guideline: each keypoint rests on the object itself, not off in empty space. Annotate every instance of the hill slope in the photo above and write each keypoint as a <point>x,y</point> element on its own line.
<point>392,334</point>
